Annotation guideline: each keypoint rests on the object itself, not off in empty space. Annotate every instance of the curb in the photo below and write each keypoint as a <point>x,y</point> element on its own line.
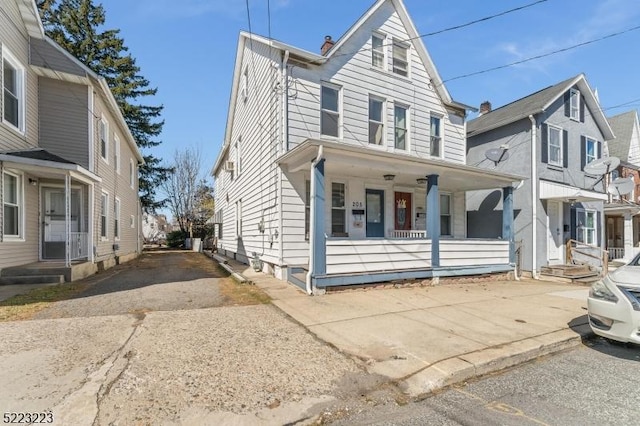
<point>223,263</point>
<point>480,363</point>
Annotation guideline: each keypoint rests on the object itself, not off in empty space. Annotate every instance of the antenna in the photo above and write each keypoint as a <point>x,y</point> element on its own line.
<point>621,186</point>
<point>497,154</point>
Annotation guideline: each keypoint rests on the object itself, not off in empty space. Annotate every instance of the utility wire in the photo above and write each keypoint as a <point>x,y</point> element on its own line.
<point>544,55</point>
<point>456,27</point>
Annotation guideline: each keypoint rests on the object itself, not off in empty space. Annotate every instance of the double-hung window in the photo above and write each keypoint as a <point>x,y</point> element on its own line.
<point>400,59</point>
<point>104,215</point>
<point>13,98</point>
<point>436,136</point>
<point>376,121</point>
<point>338,209</point>
<point>400,126</point>
<point>132,174</point>
<point>330,111</point>
<point>591,150</point>
<point>574,104</point>
<point>103,134</point>
<point>586,226</point>
<point>12,205</point>
<point>445,214</point>
<point>555,146</point>
<point>116,222</point>
<point>377,51</point>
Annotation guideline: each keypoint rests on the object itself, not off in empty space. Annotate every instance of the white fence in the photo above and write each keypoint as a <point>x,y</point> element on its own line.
<point>412,233</point>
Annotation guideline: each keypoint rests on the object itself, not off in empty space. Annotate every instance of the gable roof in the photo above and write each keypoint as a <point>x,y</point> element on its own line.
<point>536,103</point>
<point>316,59</point>
<point>622,125</point>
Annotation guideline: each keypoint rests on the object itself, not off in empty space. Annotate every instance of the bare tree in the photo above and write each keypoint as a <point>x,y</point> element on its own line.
<point>189,197</point>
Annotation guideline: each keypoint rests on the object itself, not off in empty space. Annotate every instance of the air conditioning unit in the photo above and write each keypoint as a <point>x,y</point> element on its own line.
<point>229,166</point>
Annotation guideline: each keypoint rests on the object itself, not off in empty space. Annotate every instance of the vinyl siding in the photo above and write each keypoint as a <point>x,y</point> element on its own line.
<point>63,120</point>
<point>256,123</point>
<point>44,55</point>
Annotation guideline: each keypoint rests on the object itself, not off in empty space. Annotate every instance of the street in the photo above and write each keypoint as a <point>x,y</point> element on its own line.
<point>595,384</point>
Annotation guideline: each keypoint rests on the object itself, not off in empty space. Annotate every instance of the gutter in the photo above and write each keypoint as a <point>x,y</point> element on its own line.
<point>312,224</point>
<point>534,198</point>
<point>285,146</point>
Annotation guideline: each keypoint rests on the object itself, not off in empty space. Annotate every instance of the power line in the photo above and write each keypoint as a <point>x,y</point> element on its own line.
<point>455,27</point>
<point>544,55</point>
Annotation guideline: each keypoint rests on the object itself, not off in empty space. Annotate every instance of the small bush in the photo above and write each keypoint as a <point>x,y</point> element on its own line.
<point>176,238</point>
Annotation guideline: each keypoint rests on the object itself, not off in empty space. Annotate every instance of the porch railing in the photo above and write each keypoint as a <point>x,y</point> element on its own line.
<point>586,254</point>
<point>79,245</point>
<point>411,233</point>
<point>616,252</point>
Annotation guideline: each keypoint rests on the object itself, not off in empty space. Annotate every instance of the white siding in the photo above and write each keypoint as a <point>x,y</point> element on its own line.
<point>473,252</point>
<point>358,256</point>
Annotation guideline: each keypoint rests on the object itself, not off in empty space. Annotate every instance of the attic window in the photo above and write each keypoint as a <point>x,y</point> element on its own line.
<point>377,51</point>
<point>574,104</point>
<point>400,59</point>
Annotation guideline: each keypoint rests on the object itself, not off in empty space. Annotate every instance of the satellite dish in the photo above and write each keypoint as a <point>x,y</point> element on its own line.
<point>602,166</point>
<point>621,186</point>
<point>496,155</point>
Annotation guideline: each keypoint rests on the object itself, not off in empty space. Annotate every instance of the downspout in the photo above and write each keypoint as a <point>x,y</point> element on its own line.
<point>534,198</point>
<point>312,224</point>
<point>285,132</point>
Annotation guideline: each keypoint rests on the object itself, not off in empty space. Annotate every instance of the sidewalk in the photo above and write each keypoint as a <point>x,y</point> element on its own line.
<point>425,338</point>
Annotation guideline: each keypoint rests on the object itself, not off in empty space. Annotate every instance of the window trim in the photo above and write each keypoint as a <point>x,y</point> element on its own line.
<point>406,128</point>
<point>407,49</point>
<point>21,89</point>
<point>449,215</point>
<point>586,150</point>
<point>104,212</point>
<point>117,225</point>
<point>331,112</point>
<point>574,92</point>
<point>382,51</point>
<point>19,205</point>
<point>584,229</point>
<point>383,104</point>
<point>343,208</point>
<point>104,124</point>
<point>440,136</point>
<point>560,162</point>
<point>116,153</point>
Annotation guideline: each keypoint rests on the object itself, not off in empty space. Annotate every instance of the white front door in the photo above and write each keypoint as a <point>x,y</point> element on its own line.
<point>554,232</point>
<point>54,233</point>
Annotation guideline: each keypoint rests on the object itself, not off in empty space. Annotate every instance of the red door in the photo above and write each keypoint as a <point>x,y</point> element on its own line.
<point>402,209</point>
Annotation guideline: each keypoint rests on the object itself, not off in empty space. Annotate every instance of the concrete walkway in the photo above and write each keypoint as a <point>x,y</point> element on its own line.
<point>425,338</point>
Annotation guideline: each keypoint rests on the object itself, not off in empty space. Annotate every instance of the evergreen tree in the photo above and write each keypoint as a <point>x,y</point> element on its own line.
<point>77,26</point>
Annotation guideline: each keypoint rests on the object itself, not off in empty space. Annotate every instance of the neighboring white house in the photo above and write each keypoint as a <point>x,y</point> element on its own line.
<point>68,162</point>
<point>155,227</point>
<point>349,166</point>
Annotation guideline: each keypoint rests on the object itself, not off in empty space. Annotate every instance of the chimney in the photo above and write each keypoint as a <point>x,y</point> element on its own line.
<point>328,44</point>
<point>485,107</point>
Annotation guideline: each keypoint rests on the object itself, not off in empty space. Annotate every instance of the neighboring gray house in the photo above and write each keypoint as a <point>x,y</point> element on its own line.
<point>549,137</point>
<point>622,217</point>
<point>68,162</point>
<point>349,166</point>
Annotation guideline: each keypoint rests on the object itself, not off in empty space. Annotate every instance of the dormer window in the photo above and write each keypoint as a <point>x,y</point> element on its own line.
<point>574,104</point>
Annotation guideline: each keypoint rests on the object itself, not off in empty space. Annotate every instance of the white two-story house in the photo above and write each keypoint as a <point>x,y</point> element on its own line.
<point>349,166</point>
<point>68,162</point>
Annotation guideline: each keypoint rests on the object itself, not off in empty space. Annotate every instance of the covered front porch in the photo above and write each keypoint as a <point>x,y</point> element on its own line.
<point>622,230</point>
<point>376,216</point>
<point>63,210</point>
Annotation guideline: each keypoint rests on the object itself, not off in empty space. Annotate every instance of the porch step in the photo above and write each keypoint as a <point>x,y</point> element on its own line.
<point>571,271</point>
<point>32,279</point>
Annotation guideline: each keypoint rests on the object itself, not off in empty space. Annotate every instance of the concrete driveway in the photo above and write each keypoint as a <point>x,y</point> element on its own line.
<point>151,342</point>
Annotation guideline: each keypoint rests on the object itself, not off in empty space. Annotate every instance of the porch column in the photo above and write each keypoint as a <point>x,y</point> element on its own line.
<point>433,218</point>
<point>507,221</point>
<point>628,236</point>
<point>319,251</point>
<point>67,219</point>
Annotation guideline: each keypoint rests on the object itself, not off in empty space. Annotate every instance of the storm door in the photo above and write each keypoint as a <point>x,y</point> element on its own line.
<point>53,221</point>
<point>375,213</point>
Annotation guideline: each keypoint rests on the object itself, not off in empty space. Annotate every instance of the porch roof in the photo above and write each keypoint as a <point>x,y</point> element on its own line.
<point>561,192</point>
<point>365,162</point>
<point>620,208</point>
<point>42,163</point>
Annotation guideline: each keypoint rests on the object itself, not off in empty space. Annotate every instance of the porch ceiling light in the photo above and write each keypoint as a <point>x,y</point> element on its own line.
<point>389,177</point>
<point>421,181</point>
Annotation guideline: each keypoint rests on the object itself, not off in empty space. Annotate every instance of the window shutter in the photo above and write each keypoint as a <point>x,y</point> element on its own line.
<point>599,148</point>
<point>573,222</point>
<point>582,109</point>
<point>544,137</point>
<point>567,104</point>
<point>565,149</point>
<point>583,151</point>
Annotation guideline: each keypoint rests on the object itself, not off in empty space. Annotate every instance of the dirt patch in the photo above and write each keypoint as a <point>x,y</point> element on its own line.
<point>25,306</point>
<point>242,294</point>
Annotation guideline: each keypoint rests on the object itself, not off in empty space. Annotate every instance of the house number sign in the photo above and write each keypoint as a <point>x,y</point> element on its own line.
<point>357,205</point>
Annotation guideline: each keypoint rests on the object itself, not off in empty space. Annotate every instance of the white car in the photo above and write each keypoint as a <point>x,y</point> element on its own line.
<point>614,304</point>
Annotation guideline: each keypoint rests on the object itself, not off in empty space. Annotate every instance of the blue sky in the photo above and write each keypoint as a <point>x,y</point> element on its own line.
<point>187,49</point>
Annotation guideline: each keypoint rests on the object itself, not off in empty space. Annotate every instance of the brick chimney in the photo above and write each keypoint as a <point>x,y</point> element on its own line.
<point>328,44</point>
<point>485,107</point>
